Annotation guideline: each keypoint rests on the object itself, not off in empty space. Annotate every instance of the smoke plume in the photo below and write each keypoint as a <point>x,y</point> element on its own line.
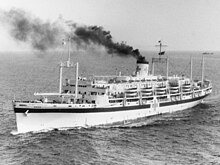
<point>26,28</point>
<point>97,35</point>
<point>43,35</point>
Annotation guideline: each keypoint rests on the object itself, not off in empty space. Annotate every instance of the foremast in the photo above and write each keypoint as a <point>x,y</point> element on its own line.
<point>68,64</point>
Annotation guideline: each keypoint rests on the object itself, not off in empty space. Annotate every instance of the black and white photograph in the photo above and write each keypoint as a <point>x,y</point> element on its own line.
<point>110,82</point>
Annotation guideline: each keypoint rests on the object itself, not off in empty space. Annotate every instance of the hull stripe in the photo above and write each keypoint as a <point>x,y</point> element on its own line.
<point>78,110</point>
<point>96,110</point>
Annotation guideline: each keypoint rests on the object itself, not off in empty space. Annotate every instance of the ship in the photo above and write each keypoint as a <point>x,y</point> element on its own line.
<point>108,100</point>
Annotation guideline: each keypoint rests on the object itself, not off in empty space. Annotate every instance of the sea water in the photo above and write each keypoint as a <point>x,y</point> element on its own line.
<point>188,137</point>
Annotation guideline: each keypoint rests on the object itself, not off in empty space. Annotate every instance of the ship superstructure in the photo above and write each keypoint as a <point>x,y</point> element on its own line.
<point>105,100</point>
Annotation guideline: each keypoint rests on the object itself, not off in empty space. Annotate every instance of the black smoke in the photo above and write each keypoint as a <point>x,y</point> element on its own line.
<point>44,35</point>
<point>26,28</point>
<point>97,35</point>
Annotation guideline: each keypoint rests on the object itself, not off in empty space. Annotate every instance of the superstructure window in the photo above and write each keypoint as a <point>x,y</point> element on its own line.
<point>93,93</point>
<point>115,101</point>
<point>132,100</point>
<point>83,86</point>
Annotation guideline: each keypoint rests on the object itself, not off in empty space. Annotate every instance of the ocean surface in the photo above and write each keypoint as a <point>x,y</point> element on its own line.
<point>188,137</point>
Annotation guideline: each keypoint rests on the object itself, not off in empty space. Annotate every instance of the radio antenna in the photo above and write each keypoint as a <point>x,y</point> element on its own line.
<point>160,51</point>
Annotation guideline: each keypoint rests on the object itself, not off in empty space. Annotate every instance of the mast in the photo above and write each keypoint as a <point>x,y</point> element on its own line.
<point>152,67</point>
<point>191,64</point>
<point>203,64</point>
<point>69,43</point>
<point>68,61</point>
<point>160,59</point>
<point>167,67</point>
<point>160,52</point>
<point>61,77</point>
<point>160,47</point>
<point>76,85</point>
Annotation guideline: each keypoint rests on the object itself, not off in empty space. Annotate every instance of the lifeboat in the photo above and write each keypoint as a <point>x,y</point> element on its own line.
<point>174,90</point>
<point>149,93</point>
<point>186,89</point>
<point>186,86</point>
<point>161,88</point>
<point>146,89</point>
<point>174,87</point>
<point>161,92</point>
<point>131,90</point>
<point>131,94</point>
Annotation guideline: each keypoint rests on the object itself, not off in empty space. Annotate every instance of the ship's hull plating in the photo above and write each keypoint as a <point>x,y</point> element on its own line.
<point>35,120</point>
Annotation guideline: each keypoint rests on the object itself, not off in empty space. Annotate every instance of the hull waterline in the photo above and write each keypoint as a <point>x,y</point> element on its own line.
<point>29,121</point>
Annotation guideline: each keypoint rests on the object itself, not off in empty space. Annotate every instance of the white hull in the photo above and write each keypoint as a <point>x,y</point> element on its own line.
<point>41,121</point>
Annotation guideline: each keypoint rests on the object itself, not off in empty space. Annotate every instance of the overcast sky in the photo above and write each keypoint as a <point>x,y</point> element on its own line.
<point>180,24</point>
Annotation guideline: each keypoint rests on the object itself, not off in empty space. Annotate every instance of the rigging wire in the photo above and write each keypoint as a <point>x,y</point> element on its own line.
<point>160,69</point>
<point>57,78</point>
<point>183,71</point>
<point>63,56</point>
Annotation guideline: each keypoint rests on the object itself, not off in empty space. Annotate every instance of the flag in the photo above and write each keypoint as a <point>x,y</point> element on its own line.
<point>161,53</point>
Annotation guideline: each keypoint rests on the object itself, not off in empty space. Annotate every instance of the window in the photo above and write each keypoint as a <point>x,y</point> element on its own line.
<point>93,93</point>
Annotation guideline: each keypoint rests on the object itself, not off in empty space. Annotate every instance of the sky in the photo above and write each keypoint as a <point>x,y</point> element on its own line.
<point>180,24</point>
